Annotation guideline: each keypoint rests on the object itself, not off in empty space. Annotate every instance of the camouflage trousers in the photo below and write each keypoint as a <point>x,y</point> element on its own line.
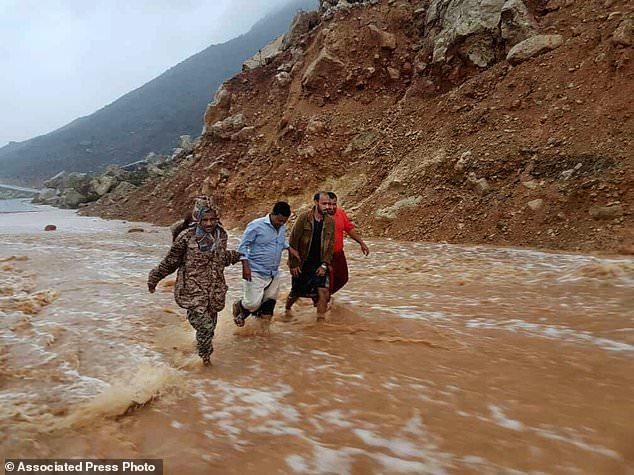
<point>205,324</point>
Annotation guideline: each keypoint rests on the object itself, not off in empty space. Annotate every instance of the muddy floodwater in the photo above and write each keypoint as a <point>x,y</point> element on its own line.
<point>433,359</point>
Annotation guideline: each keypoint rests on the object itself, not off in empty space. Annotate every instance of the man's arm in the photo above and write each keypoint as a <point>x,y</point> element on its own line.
<point>364,248</point>
<point>294,259</point>
<point>287,247</point>
<point>231,257</point>
<point>169,264</point>
<point>349,228</point>
<point>248,238</point>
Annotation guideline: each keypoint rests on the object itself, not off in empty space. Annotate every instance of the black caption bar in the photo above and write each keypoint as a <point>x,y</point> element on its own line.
<point>84,466</point>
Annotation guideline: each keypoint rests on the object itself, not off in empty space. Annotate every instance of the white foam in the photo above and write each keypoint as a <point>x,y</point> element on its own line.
<point>503,421</point>
<point>551,332</point>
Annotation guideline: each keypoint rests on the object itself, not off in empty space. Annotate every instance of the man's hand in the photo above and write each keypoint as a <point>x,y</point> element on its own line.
<point>151,287</point>
<point>295,271</point>
<point>294,253</point>
<point>364,248</point>
<point>321,271</point>
<point>246,271</point>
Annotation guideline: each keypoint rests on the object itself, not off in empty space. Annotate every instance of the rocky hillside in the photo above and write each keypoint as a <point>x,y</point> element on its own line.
<point>502,122</point>
<point>148,119</point>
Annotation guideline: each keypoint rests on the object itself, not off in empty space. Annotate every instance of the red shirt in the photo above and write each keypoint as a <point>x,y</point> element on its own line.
<point>342,224</point>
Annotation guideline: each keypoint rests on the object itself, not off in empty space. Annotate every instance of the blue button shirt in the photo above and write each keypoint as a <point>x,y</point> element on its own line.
<point>262,246</point>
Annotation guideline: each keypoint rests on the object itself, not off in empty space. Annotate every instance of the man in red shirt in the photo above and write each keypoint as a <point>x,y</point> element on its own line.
<point>339,267</point>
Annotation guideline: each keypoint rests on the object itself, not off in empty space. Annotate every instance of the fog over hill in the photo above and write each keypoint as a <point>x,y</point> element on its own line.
<point>147,119</point>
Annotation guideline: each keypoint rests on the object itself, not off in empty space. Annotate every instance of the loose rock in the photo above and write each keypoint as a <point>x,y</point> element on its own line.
<point>533,46</point>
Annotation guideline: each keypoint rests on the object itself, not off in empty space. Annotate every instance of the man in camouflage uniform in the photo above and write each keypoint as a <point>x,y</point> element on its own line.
<point>200,254</point>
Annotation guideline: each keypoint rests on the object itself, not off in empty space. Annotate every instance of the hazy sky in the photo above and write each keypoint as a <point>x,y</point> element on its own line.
<point>62,59</point>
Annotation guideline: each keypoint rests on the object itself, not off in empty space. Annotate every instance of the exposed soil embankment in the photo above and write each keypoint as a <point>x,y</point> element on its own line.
<point>428,135</point>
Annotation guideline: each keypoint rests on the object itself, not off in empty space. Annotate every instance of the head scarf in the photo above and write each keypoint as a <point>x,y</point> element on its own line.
<point>206,241</point>
<point>202,205</point>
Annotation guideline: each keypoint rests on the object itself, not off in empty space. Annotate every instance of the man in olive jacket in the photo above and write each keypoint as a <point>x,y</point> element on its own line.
<point>200,254</point>
<point>313,236</point>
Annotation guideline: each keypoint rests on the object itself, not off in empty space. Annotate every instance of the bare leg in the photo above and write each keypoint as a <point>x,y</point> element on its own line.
<point>322,303</point>
<point>290,300</point>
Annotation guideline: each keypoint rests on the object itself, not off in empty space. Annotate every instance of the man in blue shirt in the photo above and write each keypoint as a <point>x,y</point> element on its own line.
<point>261,247</point>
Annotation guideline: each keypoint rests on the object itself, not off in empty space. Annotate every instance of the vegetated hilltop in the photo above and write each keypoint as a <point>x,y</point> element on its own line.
<point>148,119</point>
<point>507,123</point>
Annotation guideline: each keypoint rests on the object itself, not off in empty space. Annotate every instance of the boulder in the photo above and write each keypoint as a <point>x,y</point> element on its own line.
<point>392,212</point>
<point>480,185</point>
<point>151,157</point>
<point>536,204</point>
<point>77,181</point>
<point>55,181</point>
<point>226,128</point>
<point>329,7</point>
<point>307,152</point>
<point>154,171</point>
<point>71,199</point>
<point>533,46</point>
<point>315,126</point>
<point>606,212</point>
<point>393,73</point>
<point>322,72</point>
<point>531,184</point>
<point>382,38</point>
<point>283,78</point>
<point>218,109</point>
<point>122,189</point>
<point>286,67</point>
<point>50,227</point>
<point>474,30</point>
<point>265,55</point>
<point>624,33</point>
<point>186,143</point>
<point>136,230</point>
<point>115,171</point>
<point>362,141</point>
<point>53,201</point>
<point>469,28</point>
<point>135,166</point>
<point>244,135</point>
<point>175,153</point>
<point>45,195</point>
<point>462,162</point>
<point>103,184</point>
<point>302,24</point>
<point>135,172</point>
<point>516,23</point>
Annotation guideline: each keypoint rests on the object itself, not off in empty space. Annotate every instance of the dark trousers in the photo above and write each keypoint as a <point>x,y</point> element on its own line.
<point>307,283</point>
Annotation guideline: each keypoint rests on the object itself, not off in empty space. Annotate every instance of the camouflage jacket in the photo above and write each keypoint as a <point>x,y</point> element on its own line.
<point>200,282</point>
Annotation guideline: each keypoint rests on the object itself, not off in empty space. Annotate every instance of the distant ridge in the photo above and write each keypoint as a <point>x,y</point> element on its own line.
<point>147,119</point>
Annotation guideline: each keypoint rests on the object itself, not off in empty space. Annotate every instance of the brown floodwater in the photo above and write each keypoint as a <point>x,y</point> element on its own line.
<point>433,359</point>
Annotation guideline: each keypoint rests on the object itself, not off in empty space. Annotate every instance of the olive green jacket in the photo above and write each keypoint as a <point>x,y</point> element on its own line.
<point>302,234</point>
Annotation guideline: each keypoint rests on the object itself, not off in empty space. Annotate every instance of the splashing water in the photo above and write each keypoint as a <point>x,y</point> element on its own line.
<point>433,359</point>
